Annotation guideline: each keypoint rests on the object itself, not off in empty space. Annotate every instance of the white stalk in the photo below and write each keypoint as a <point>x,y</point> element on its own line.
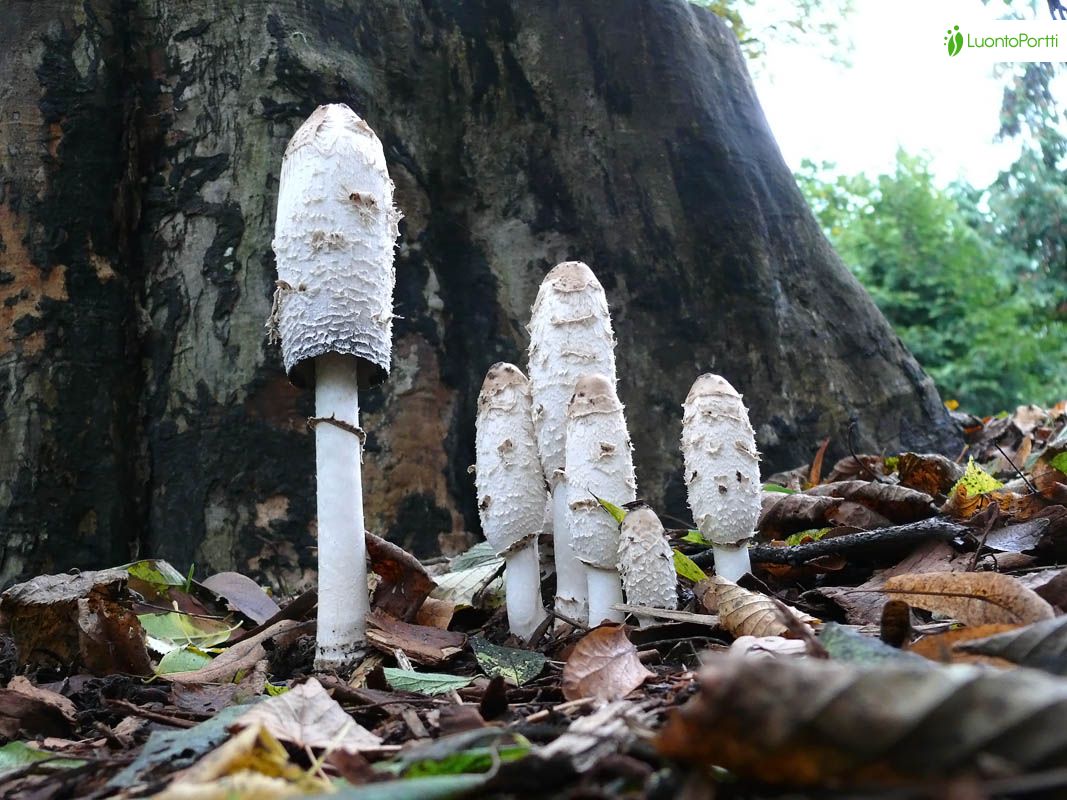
<point>343,598</point>
<point>599,464</point>
<point>570,335</point>
<point>511,491</point>
<point>721,471</point>
<point>646,563</point>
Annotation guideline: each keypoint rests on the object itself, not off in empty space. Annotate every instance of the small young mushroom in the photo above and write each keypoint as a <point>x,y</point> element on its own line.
<point>570,334</point>
<point>599,464</point>
<point>511,490</point>
<point>333,239</point>
<point>646,563</point>
<point>721,471</point>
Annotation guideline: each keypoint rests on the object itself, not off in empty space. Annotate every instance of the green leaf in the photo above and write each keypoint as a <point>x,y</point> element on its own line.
<point>275,689</point>
<point>431,683</point>
<point>482,553</point>
<point>174,630</point>
<point>774,487</point>
<point>156,572</point>
<point>695,537</point>
<point>618,513</point>
<point>461,587</point>
<point>844,644</point>
<point>976,480</point>
<point>810,535</point>
<point>1060,463</point>
<point>478,759</point>
<point>184,659</point>
<point>15,755</point>
<point>514,666</point>
<point>436,787</point>
<point>685,567</point>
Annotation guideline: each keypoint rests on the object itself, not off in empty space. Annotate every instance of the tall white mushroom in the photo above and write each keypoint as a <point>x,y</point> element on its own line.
<point>570,334</point>
<point>600,463</point>
<point>646,563</point>
<point>721,471</point>
<point>511,490</point>
<point>333,308</point>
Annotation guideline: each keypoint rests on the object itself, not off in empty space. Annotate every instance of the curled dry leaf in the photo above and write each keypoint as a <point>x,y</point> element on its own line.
<point>243,595</point>
<point>931,473</point>
<point>307,716</point>
<point>34,711</point>
<point>422,644</point>
<point>1042,645</point>
<point>898,504</point>
<point>405,583</point>
<point>864,467</point>
<point>604,664</point>
<point>809,721</point>
<point>783,514</point>
<point>746,613</point>
<point>973,598</point>
<point>945,646</point>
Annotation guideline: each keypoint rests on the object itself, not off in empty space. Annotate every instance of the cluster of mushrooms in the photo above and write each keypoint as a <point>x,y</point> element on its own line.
<point>547,447</point>
<point>550,447</point>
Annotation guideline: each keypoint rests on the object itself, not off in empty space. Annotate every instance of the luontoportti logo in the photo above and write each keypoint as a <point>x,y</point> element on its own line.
<point>954,41</point>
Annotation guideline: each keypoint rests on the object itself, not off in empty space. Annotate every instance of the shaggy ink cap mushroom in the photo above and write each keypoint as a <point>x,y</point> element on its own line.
<point>646,562</point>
<point>570,335</point>
<point>511,490</point>
<point>334,234</point>
<point>721,471</point>
<point>599,464</point>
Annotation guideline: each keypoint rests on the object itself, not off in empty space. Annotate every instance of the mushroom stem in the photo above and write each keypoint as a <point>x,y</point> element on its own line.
<point>731,561</point>
<point>343,599</point>
<point>522,590</point>
<point>572,585</point>
<point>605,591</point>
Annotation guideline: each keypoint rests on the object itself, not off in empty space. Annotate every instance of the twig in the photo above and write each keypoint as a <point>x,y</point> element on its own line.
<point>570,705</point>
<point>1018,471</point>
<point>164,719</point>
<point>666,613</point>
<point>993,513</point>
<point>935,528</point>
<point>564,618</point>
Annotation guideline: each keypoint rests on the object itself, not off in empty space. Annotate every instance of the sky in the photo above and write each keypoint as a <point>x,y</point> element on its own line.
<point>894,94</point>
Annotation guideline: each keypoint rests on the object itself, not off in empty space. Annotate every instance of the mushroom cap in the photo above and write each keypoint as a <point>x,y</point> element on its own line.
<point>721,461</point>
<point>334,235</point>
<point>599,461</point>
<point>646,562</point>
<point>570,335</point>
<point>511,489</point>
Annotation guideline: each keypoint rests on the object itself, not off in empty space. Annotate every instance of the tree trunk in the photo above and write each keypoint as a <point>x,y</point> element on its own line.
<point>142,408</point>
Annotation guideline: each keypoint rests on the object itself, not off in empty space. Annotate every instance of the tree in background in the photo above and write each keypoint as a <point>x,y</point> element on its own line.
<point>951,277</point>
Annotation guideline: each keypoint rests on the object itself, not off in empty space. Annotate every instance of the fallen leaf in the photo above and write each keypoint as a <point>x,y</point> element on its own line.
<point>685,568</point>
<point>746,613</point>
<point>76,620</point>
<point>898,504</point>
<point>237,657</point>
<point>845,644</point>
<point>943,647</point>
<point>460,588</point>
<point>768,646</point>
<point>306,716</point>
<point>857,515</point>
<point>604,664</point>
<point>15,755</point>
<point>815,473</point>
<point>783,514</point>
<point>973,598</point>
<point>1041,645</point>
<point>513,665</point>
<point>430,683</point>
<point>606,731</point>
<point>864,467</point>
<point>404,585</point>
<point>243,595</point>
<point>173,631</point>
<point>422,644</point>
<point>435,613</point>
<point>1017,538</point>
<point>811,722</point>
<point>30,710</point>
<point>931,473</point>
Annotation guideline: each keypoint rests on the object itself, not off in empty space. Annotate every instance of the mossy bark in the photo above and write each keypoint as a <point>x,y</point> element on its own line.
<point>141,409</point>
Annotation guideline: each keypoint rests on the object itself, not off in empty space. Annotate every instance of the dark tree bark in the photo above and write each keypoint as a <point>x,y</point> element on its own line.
<point>140,144</point>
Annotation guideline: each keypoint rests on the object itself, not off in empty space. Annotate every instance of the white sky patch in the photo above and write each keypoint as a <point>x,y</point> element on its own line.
<point>897,93</point>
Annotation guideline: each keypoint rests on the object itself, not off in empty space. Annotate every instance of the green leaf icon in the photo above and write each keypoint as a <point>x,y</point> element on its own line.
<point>954,40</point>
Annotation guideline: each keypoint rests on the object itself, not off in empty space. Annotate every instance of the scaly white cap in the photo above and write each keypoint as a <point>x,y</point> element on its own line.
<point>646,562</point>
<point>333,240</point>
<point>721,462</point>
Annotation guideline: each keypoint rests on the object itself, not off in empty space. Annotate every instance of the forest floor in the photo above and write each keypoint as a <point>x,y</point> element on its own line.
<point>903,635</point>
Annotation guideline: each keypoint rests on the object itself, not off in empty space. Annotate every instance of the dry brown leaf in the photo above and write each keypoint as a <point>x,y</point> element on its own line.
<point>973,598</point>
<point>1042,645</point>
<point>746,613</point>
<point>405,583</point>
<point>783,514</point>
<point>604,664</point>
<point>242,594</point>
<point>34,711</point>
<point>856,515</point>
<point>421,643</point>
<point>899,504</point>
<point>810,721</point>
<point>930,473</point>
<point>308,717</point>
<point>941,646</point>
<point>240,657</point>
<point>864,467</point>
<point>815,474</point>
